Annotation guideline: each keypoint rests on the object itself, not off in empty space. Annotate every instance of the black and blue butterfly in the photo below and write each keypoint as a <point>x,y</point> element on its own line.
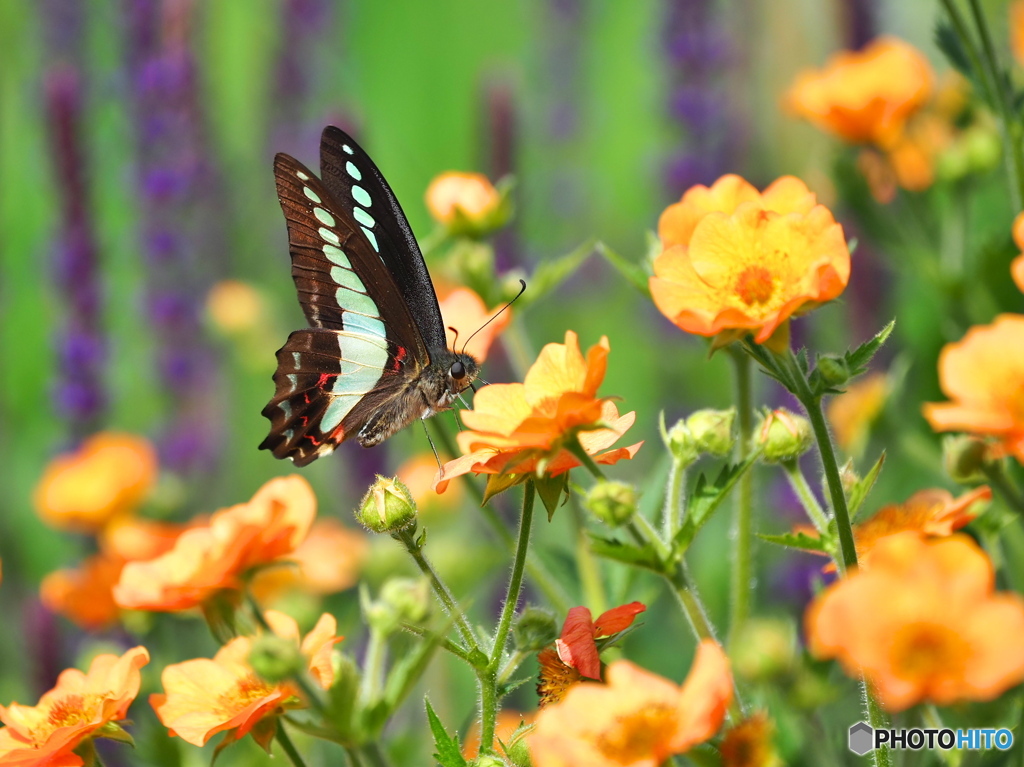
<point>375,357</point>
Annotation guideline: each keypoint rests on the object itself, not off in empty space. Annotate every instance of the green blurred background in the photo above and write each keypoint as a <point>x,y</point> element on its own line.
<point>603,111</point>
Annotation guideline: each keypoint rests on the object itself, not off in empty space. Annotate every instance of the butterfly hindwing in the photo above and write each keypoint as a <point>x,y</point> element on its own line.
<point>324,381</point>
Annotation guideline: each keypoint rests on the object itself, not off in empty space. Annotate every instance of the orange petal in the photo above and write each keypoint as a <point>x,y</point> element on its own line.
<point>575,645</point>
<point>617,619</point>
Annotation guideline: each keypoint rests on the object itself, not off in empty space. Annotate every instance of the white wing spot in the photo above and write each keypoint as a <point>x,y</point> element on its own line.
<point>362,216</point>
<point>347,148</point>
<point>323,216</point>
<point>353,171</point>
<point>361,196</point>
<point>302,175</point>
<point>370,236</point>
<point>311,194</point>
<point>328,235</point>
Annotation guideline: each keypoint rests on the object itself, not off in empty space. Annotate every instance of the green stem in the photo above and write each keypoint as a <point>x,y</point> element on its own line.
<point>354,759</point>
<point>539,574</point>
<point>511,665</point>
<point>489,677</point>
<point>587,566</point>
<point>803,491</point>
<point>577,450</point>
<point>812,405</point>
<point>674,512</point>
<point>879,720</point>
<point>742,581</point>
<point>373,669</point>
<point>996,474</point>
<point>444,643</point>
<point>288,747</point>
<point>408,539</point>
<point>374,755</point>
<point>933,720</point>
<point>1003,102</point>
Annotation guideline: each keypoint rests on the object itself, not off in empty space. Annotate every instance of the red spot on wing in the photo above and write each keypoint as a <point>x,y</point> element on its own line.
<point>399,357</point>
<point>324,378</point>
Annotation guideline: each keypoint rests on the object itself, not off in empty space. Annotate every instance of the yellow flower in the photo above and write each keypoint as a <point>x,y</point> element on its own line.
<point>922,623</point>
<point>203,697</point>
<point>462,200</point>
<point>519,429</point>
<point>235,306</point>
<point>107,477</point>
<point>740,261</point>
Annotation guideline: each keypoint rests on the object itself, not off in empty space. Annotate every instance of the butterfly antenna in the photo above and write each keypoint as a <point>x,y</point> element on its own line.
<point>433,449</point>
<point>522,289</point>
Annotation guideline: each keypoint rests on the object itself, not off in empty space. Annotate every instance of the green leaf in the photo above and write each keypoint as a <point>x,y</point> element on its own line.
<point>863,487</point>
<point>801,541</point>
<point>706,498</point>
<point>952,46</point>
<point>552,491</point>
<point>550,274</point>
<point>626,553</point>
<point>407,671</point>
<point>858,359</point>
<point>634,273</point>
<point>448,752</point>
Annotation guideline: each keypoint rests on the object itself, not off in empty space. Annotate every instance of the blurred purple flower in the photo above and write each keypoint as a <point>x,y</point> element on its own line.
<point>81,347</point>
<point>180,221</point>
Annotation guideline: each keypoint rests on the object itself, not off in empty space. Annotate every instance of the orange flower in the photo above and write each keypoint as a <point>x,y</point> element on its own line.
<point>982,374</point>
<point>864,96</point>
<point>203,697</point>
<point>1017,272</point>
<point>454,198</point>
<point>85,595</point>
<point>76,709</point>
<point>466,312</point>
<point>637,718</point>
<point>107,476</point>
<point>135,539</point>
<point>738,261</point>
<point>923,623</point>
<point>852,413</point>
<point>505,727</point>
<point>216,556</point>
<point>576,646</point>
<point>328,561</point>
<point>518,429</point>
<point>1017,265</point>
<point>235,306</point>
<point>749,743</point>
<point>575,654</point>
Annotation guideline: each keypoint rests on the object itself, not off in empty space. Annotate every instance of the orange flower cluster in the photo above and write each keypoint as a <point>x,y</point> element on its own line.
<point>736,261</point>
<point>203,697</point>
<point>216,555</point>
<point>1017,265</point>
<point>923,623</point>
<point>80,707</point>
<point>519,429</point>
<point>851,414</point>
<point>470,196</point>
<point>106,478</point>
<point>637,718</point>
<point>981,374</point>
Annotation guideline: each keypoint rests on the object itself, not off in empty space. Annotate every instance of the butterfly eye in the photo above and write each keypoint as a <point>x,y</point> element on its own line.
<point>458,370</point>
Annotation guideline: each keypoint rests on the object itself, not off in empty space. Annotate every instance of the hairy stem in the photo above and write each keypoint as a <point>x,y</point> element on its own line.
<point>742,580</point>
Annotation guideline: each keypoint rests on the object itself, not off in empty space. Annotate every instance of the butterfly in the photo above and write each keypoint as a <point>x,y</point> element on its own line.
<point>374,357</point>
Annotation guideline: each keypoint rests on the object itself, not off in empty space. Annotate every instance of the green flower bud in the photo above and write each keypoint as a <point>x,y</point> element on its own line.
<point>534,630</point>
<point>387,507</point>
<point>275,658</point>
<point>518,749</point>
<point>982,147</point>
<point>964,458</point>
<point>849,478</point>
<point>680,442</point>
<point>784,436</point>
<point>765,648</point>
<point>408,598</point>
<point>487,760</point>
<point>614,503</point>
<point>712,430</point>
<point>833,370</point>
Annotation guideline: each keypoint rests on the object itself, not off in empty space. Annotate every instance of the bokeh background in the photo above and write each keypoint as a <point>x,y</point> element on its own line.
<point>136,143</point>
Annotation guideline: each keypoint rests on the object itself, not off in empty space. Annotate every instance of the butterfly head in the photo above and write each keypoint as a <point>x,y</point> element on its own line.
<point>462,371</point>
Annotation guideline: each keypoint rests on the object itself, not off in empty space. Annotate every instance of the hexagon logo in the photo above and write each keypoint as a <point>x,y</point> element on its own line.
<point>862,738</point>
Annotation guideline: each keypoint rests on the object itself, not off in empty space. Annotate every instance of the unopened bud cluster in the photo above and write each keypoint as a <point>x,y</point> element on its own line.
<point>704,431</point>
<point>387,507</point>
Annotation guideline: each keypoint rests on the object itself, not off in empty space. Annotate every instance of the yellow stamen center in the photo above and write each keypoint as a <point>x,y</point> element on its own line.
<point>755,285</point>
<point>639,735</point>
<point>65,712</point>
<point>249,688</point>
<point>922,650</point>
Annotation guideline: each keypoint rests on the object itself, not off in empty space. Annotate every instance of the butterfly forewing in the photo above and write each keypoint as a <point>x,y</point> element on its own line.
<point>355,181</point>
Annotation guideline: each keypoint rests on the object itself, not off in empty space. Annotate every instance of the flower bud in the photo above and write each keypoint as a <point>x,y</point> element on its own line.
<point>408,598</point>
<point>784,436</point>
<point>680,442</point>
<point>614,503</point>
<point>387,507</point>
<point>466,203</point>
<point>275,658</point>
<point>848,477</point>
<point>764,648</point>
<point>712,430</point>
<point>833,370</point>
<point>489,760</point>
<point>964,458</point>
<point>535,629</point>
